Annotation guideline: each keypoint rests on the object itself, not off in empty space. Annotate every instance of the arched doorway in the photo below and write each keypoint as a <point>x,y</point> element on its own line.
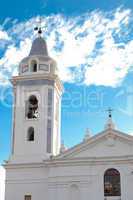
<point>112,183</point>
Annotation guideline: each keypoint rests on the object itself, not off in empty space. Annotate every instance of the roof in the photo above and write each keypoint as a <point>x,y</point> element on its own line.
<point>39,47</point>
<point>85,144</point>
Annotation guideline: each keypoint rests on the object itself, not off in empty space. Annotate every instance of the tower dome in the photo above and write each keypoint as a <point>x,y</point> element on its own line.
<point>39,47</point>
<point>38,61</point>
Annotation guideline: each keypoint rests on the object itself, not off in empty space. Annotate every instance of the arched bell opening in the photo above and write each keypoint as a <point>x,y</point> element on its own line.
<point>32,107</point>
<point>33,66</point>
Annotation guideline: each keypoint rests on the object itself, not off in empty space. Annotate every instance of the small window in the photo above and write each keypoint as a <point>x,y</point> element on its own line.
<point>27,197</point>
<point>30,136</point>
<point>32,108</point>
<point>33,66</point>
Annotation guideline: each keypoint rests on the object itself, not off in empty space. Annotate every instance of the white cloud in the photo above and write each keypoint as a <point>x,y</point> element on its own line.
<point>10,61</point>
<point>13,55</point>
<point>112,65</point>
<point>4,35</point>
<point>94,48</point>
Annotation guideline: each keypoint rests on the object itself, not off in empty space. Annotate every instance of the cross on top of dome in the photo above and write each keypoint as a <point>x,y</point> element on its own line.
<point>38,28</point>
<point>110,124</point>
<point>110,112</point>
<point>39,45</point>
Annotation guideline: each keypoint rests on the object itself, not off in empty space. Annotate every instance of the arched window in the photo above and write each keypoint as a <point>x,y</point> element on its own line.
<point>33,66</point>
<point>112,183</point>
<point>30,135</point>
<point>32,107</point>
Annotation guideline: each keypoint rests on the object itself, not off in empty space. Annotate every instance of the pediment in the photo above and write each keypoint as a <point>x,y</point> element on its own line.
<point>110,143</point>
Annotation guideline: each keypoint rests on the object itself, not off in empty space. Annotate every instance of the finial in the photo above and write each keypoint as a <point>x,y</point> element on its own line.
<point>63,148</point>
<point>110,123</point>
<point>87,134</point>
<point>109,112</point>
<point>38,28</point>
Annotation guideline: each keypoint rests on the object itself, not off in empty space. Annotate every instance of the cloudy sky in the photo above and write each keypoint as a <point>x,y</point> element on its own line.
<point>92,42</point>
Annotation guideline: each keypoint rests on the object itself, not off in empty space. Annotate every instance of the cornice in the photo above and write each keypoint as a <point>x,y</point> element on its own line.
<point>9,165</point>
<point>84,161</point>
<point>90,161</point>
<point>55,78</point>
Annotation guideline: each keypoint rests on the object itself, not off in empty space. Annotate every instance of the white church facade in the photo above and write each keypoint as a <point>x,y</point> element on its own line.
<point>39,168</point>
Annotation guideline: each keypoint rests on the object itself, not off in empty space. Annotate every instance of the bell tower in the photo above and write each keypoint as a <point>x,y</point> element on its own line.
<point>37,105</point>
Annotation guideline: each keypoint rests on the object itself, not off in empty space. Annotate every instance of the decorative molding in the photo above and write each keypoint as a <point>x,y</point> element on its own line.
<point>39,79</point>
<point>91,161</point>
<point>45,67</point>
<point>24,68</point>
<point>94,140</point>
<point>110,139</point>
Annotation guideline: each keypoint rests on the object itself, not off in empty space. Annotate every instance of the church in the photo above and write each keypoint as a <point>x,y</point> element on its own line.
<point>39,167</point>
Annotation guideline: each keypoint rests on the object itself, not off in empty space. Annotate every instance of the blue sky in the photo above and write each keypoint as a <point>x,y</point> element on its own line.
<point>92,41</point>
<point>26,9</point>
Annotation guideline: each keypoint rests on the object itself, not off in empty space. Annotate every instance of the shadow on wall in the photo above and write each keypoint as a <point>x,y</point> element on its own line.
<point>2,183</point>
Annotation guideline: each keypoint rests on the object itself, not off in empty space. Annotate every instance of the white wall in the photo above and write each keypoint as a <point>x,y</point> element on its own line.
<point>56,182</point>
<point>2,183</point>
<point>89,179</point>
